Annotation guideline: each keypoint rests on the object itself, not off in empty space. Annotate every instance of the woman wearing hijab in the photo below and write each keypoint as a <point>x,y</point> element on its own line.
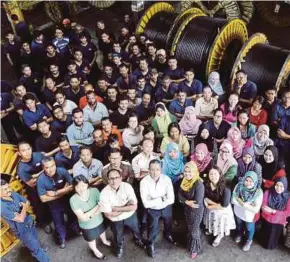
<point>234,137</point>
<point>272,168</point>
<point>189,124</point>
<point>248,163</point>
<point>191,195</point>
<point>175,136</point>
<point>204,136</point>
<point>203,160</point>
<point>162,120</point>
<point>275,210</point>
<point>227,163</point>
<point>216,86</point>
<point>218,216</point>
<point>172,163</point>
<point>247,200</point>
<point>262,140</point>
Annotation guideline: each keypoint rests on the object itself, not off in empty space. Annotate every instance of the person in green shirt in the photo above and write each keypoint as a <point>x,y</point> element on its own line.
<point>85,204</point>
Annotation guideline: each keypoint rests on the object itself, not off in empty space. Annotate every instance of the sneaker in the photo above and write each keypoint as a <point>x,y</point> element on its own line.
<point>247,246</point>
<point>238,239</point>
<point>217,241</point>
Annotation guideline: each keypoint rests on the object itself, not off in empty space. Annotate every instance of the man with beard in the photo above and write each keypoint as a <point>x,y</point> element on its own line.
<point>94,111</point>
<point>80,132</point>
<point>61,120</point>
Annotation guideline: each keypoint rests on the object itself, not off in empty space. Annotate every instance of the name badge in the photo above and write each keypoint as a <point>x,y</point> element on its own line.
<point>60,181</point>
<point>38,164</point>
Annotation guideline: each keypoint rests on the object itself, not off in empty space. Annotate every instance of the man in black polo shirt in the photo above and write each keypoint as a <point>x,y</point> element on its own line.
<point>52,57</point>
<point>218,127</point>
<point>120,117</point>
<point>98,147</point>
<point>48,141</point>
<point>56,75</point>
<point>73,72</point>
<point>101,87</point>
<point>30,80</point>
<point>49,92</point>
<point>61,120</point>
<point>74,91</point>
<point>125,80</point>
<point>146,110</point>
<point>111,102</point>
<point>12,51</point>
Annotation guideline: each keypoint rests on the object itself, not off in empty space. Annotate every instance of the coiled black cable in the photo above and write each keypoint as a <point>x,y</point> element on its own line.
<point>263,64</point>
<point>158,27</point>
<point>195,43</point>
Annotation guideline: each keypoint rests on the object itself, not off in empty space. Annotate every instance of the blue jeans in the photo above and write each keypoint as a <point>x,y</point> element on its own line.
<point>243,226</point>
<point>57,215</point>
<point>153,222</point>
<point>118,229</point>
<point>30,239</point>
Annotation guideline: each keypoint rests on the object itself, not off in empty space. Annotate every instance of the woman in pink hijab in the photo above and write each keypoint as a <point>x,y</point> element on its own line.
<point>189,124</point>
<point>203,160</point>
<point>234,137</point>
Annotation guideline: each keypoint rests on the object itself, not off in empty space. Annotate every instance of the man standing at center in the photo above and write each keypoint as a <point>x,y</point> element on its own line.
<point>157,195</point>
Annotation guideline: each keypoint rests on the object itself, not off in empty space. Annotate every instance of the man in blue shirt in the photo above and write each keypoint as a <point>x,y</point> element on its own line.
<point>54,187</point>
<point>80,132</point>
<point>61,120</point>
<point>165,93</point>
<point>126,79</point>
<point>143,69</point>
<point>28,170</point>
<point>192,86</point>
<point>176,73</point>
<point>177,106</point>
<point>281,109</point>
<point>245,88</point>
<point>35,112</point>
<point>61,43</point>
<point>146,110</point>
<point>142,86</point>
<point>68,155</point>
<point>14,210</point>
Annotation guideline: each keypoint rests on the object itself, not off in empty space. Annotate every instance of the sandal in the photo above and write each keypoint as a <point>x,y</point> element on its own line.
<point>217,241</point>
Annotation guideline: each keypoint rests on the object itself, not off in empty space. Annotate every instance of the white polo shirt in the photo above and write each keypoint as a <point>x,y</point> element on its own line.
<point>110,197</point>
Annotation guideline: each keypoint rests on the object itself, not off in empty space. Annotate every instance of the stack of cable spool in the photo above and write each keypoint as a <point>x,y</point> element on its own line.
<point>208,44</point>
<point>264,64</point>
<point>160,23</point>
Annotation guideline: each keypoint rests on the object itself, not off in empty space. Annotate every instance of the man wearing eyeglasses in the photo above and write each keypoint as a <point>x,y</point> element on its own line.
<point>119,203</point>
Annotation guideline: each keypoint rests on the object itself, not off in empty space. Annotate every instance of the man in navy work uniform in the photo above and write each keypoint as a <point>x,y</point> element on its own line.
<point>28,170</point>
<point>54,186</point>
<point>14,211</point>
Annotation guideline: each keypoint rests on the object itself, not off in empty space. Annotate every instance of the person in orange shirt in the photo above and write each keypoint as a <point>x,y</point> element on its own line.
<point>109,129</point>
<point>83,101</point>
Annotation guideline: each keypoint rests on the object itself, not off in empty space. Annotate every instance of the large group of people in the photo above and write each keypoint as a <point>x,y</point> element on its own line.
<point>117,134</point>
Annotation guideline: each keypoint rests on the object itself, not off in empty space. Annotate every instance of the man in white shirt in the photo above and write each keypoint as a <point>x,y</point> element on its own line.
<point>119,203</point>
<point>157,195</point>
<point>205,106</point>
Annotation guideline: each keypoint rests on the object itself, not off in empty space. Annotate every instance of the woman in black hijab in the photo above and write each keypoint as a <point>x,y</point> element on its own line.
<point>275,210</point>
<point>271,167</point>
<point>204,136</point>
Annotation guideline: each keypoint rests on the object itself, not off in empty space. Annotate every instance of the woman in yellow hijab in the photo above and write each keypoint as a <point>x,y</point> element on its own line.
<point>191,195</point>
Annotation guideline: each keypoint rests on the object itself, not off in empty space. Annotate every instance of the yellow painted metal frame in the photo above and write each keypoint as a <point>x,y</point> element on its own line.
<point>257,38</point>
<point>233,29</point>
<point>178,22</point>
<point>195,12</point>
<point>284,73</point>
<point>151,11</point>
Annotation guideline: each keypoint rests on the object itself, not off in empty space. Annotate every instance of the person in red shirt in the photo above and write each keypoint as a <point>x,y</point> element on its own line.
<point>109,129</point>
<point>258,116</point>
<point>83,100</point>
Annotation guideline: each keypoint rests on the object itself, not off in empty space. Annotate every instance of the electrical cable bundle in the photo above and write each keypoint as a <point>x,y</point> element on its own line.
<point>158,27</point>
<point>263,64</point>
<point>195,43</point>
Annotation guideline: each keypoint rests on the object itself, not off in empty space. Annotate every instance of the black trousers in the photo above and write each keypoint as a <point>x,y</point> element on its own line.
<point>118,229</point>
<point>153,221</point>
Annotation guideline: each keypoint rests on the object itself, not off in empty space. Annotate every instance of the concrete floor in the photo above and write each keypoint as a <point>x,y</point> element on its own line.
<point>228,251</point>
